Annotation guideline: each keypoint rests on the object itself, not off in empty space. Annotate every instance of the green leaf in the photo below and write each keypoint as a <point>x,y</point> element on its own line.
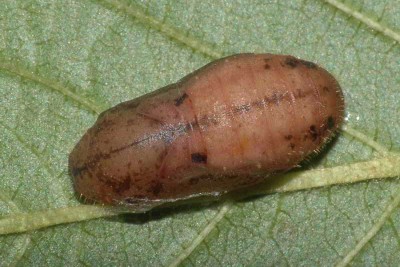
<point>63,62</point>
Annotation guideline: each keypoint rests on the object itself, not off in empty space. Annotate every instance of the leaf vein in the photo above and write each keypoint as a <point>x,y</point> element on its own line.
<point>202,235</point>
<point>24,144</point>
<point>392,205</point>
<point>25,238</point>
<point>375,25</point>
<point>365,139</point>
<point>162,27</point>
<point>23,73</point>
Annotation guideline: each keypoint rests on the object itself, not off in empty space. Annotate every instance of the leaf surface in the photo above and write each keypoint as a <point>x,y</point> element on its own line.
<point>63,62</point>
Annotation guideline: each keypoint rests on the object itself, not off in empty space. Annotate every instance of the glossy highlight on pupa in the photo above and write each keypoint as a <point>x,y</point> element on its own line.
<point>229,125</point>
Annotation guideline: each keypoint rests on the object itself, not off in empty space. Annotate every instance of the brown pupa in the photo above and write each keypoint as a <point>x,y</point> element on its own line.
<point>229,125</point>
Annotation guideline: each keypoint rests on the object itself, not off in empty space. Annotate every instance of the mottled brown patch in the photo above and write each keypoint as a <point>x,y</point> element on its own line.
<point>131,104</point>
<point>180,99</point>
<point>288,137</point>
<point>131,122</point>
<point>308,64</point>
<point>105,179</point>
<point>76,171</point>
<point>160,163</point>
<point>153,120</point>
<point>193,181</point>
<point>299,93</point>
<point>207,121</point>
<point>241,109</point>
<point>123,186</point>
<point>294,62</point>
<point>105,125</point>
<point>199,158</point>
<point>291,62</point>
<point>330,122</point>
<point>156,188</point>
<point>267,59</point>
<point>313,132</point>
<point>276,98</point>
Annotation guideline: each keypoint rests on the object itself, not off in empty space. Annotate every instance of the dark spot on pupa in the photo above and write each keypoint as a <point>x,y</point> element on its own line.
<point>180,99</point>
<point>292,146</point>
<point>156,188</point>
<point>199,158</point>
<point>117,186</point>
<point>313,132</point>
<point>325,88</point>
<point>131,122</point>
<point>294,62</point>
<point>194,180</point>
<point>330,122</point>
<point>103,178</point>
<point>308,64</point>
<point>123,186</point>
<point>131,104</point>
<point>291,62</point>
<point>288,137</point>
<point>267,66</point>
<point>77,171</point>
